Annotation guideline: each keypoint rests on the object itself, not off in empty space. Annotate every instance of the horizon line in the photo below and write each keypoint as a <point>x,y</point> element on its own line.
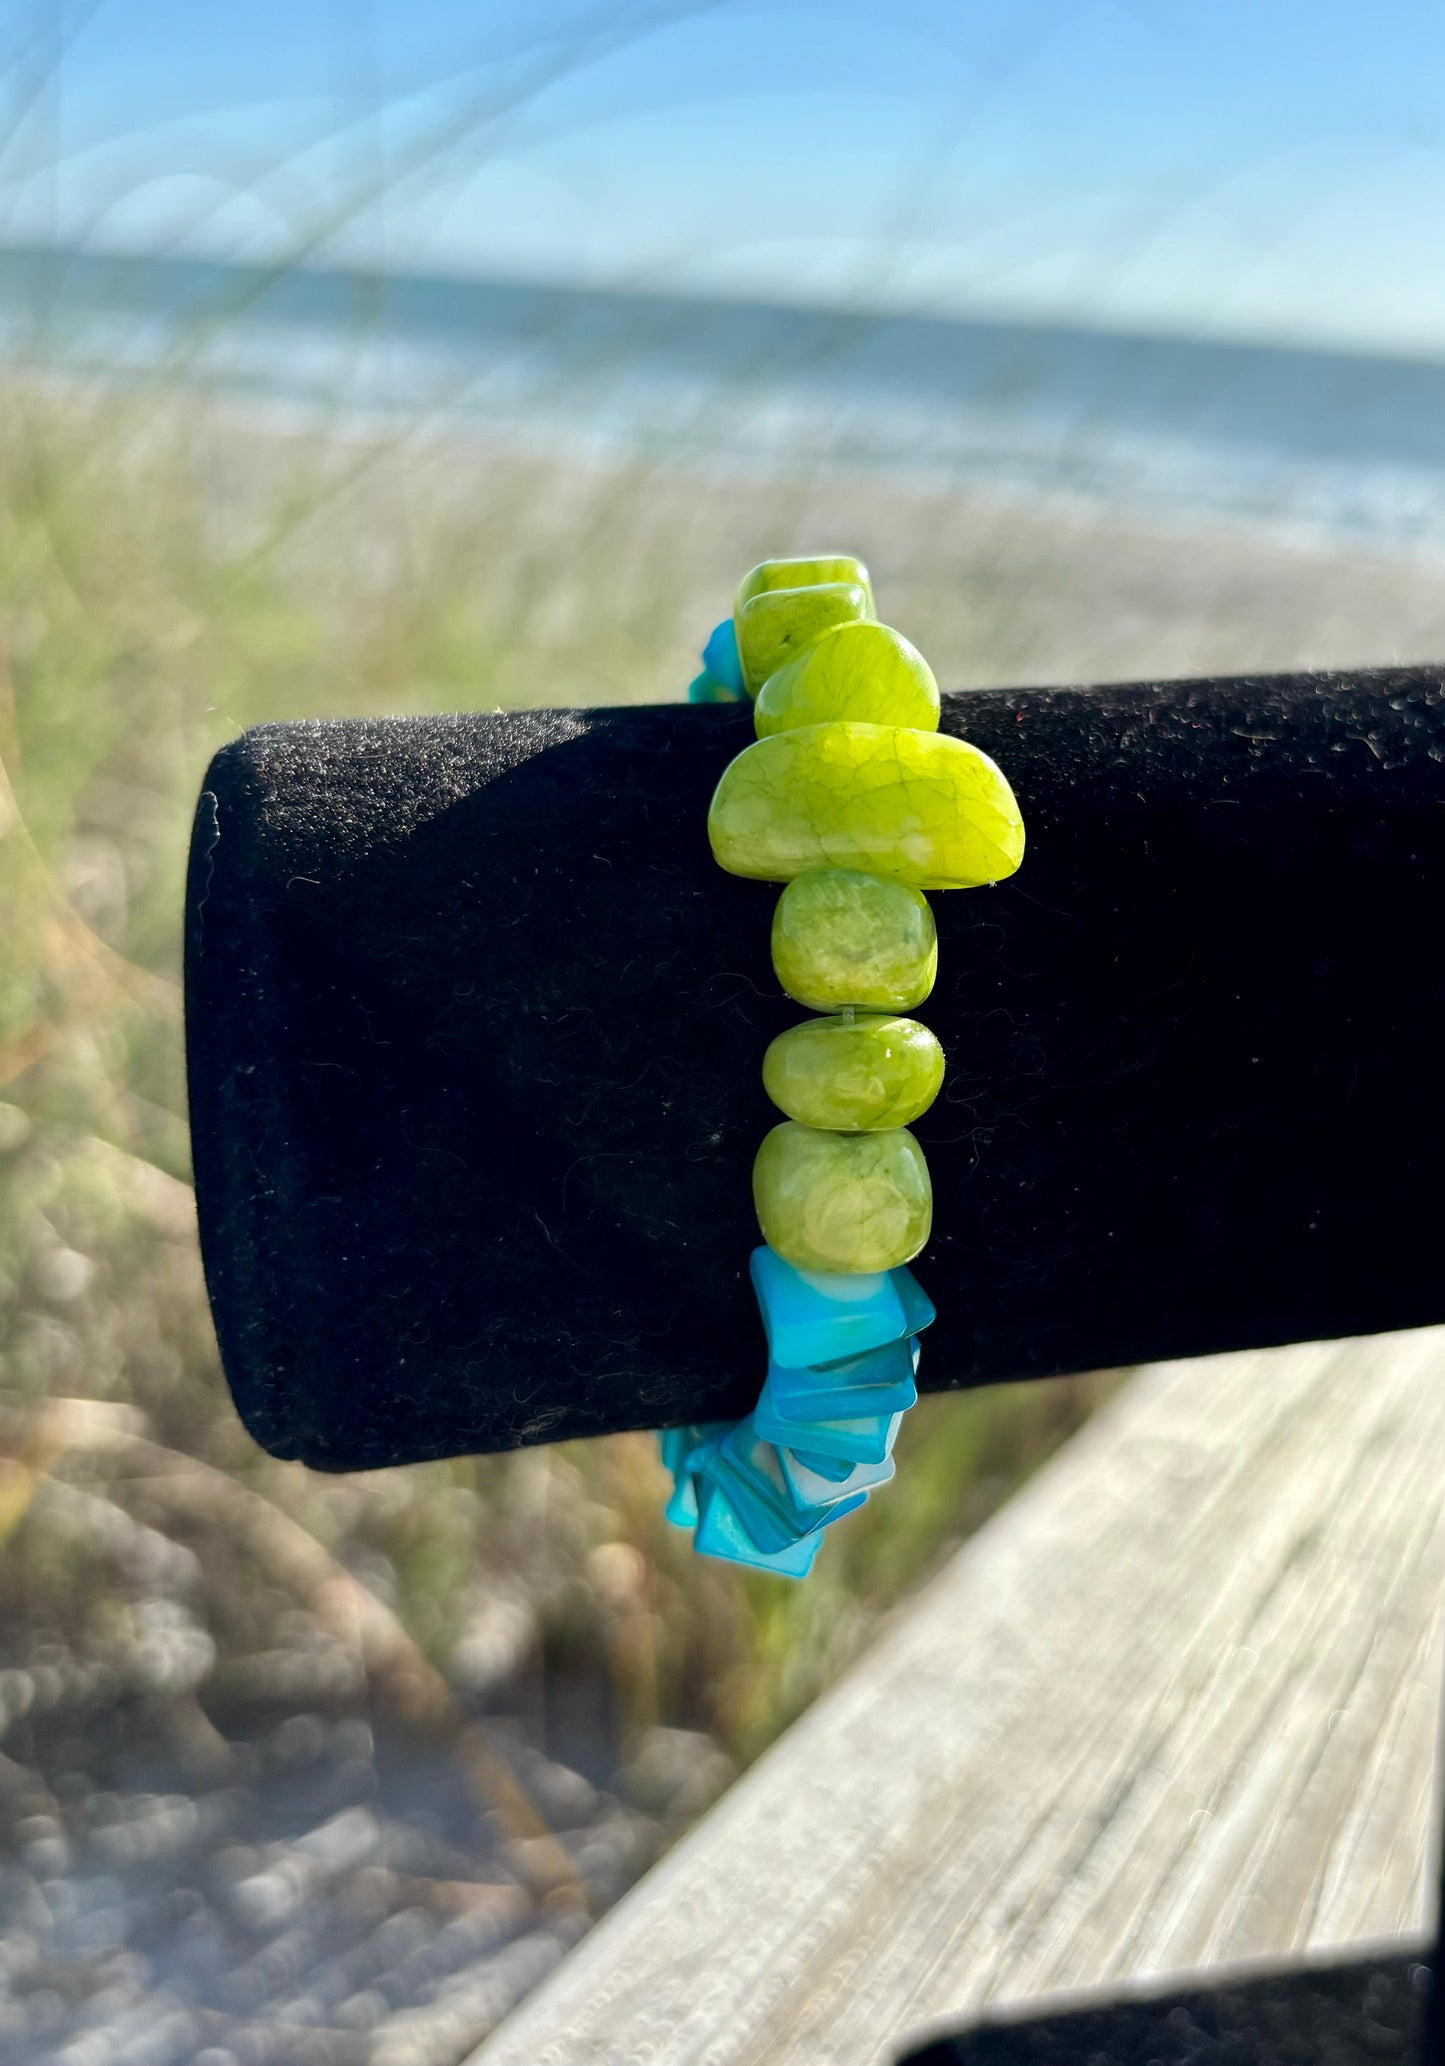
<point>337,270</point>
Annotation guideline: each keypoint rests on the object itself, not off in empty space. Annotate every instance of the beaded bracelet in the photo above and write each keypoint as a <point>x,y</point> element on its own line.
<point>854,800</point>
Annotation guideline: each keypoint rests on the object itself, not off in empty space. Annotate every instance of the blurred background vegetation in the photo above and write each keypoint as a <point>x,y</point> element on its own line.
<point>333,1769</point>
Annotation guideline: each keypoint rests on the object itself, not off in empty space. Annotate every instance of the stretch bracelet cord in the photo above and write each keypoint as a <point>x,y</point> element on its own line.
<point>854,801</point>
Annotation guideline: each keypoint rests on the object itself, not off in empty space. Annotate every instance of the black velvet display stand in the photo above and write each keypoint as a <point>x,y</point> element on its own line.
<point>475,1026</point>
<point>1355,2012</point>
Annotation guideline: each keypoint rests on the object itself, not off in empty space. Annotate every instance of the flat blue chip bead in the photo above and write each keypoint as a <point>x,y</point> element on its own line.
<point>771,1534</point>
<point>918,1307</point>
<point>880,1366</point>
<point>811,1488</point>
<point>873,1402</point>
<point>748,1471</point>
<point>721,1534</point>
<point>764,1529</point>
<point>814,1317</point>
<point>752,1470</point>
<point>674,1444</point>
<point>681,1508</point>
<point>761,1506</point>
<point>833,1468</point>
<point>746,1450</point>
<point>859,1441</point>
<point>867,1439</point>
<point>880,1382</point>
<point>722,660</point>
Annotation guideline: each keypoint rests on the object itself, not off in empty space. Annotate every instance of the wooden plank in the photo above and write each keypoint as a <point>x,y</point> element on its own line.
<point>1175,1705</point>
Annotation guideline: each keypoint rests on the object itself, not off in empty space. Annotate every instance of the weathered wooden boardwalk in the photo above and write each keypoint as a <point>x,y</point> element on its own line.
<point>1177,1704</point>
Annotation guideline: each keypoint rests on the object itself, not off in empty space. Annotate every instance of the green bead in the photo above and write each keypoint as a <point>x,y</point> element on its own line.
<point>863,671</point>
<point>854,1075</point>
<point>918,806</point>
<point>778,624</point>
<point>843,937</point>
<point>804,573</point>
<point>847,1202</point>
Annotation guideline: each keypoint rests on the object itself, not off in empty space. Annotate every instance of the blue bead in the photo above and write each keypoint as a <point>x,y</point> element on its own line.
<point>833,1468</point>
<point>674,1444</point>
<point>918,1307</point>
<point>749,1473</point>
<point>888,1363</point>
<point>811,1317</point>
<point>752,1473</point>
<point>812,1488</point>
<point>721,658</point>
<point>704,1441</point>
<point>867,1439</point>
<point>765,1530</point>
<point>721,1534</point>
<point>681,1508</point>
<point>842,1362</point>
<point>677,1444</point>
<point>759,1504</point>
<point>682,1448</point>
<point>879,1382</point>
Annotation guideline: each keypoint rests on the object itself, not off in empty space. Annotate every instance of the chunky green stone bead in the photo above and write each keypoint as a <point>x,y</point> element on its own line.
<point>918,806</point>
<point>781,622</point>
<point>863,671</point>
<point>843,937</point>
<point>854,1075</point>
<point>804,573</point>
<point>842,1201</point>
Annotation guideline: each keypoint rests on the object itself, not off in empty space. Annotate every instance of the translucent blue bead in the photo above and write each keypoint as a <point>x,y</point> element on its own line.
<point>721,658</point>
<point>764,1527</point>
<point>814,1317</point>
<point>751,1472</point>
<point>918,1308</point>
<point>867,1439</point>
<point>681,1508</point>
<point>834,1468</point>
<point>704,1440</point>
<point>720,1533</point>
<point>674,1444</point>
<point>760,1506</point>
<point>881,1381</point>
<point>810,1317</point>
<point>814,1488</point>
<point>682,1448</point>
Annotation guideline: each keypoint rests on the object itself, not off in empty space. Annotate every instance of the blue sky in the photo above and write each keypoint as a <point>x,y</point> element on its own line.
<point>1266,169</point>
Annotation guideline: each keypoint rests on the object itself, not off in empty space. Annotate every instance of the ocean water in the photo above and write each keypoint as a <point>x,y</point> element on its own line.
<point>1321,446</point>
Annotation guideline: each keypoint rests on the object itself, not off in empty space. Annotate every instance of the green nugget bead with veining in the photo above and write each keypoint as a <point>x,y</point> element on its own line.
<point>803,573</point>
<point>854,1075</point>
<point>848,1202</point>
<point>864,671</point>
<point>781,622</point>
<point>918,806</point>
<point>843,937</point>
